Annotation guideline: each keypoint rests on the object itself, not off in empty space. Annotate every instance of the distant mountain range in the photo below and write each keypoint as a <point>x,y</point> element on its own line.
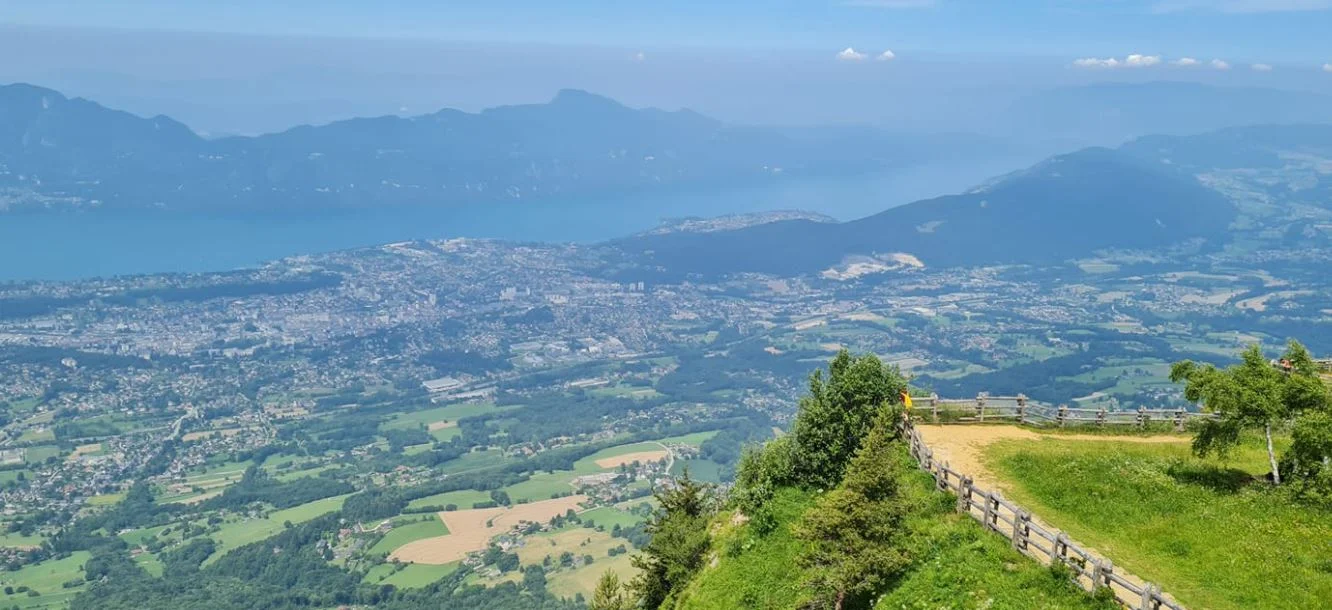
<point>60,152</point>
<point>1113,113</point>
<point>1067,207</point>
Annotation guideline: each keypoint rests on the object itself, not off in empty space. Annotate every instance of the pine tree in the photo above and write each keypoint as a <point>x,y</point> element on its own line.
<point>610,594</point>
<point>679,542</point>
<point>855,537</point>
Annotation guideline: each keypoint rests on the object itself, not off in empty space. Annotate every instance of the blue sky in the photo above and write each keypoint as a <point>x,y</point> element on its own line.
<point>246,66</point>
<point>1240,31</point>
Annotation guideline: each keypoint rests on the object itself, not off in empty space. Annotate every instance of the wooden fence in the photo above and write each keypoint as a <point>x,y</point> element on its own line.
<point>1009,520</point>
<point>1021,410</point>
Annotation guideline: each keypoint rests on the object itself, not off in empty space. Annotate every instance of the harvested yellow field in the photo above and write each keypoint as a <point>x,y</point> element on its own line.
<point>471,530</point>
<point>641,457</point>
<point>82,450</point>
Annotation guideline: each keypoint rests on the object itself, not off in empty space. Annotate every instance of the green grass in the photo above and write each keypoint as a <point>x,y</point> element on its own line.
<point>425,417</point>
<point>764,575</point>
<point>1209,533</point>
<point>45,578</point>
<point>475,460</point>
<point>409,530</point>
<point>610,517</point>
<point>956,563</point>
<point>150,563</point>
<point>410,576</point>
<point>19,540</point>
<point>463,499</point>
<point>541,487</point>
<point>34,455</point>
<point>694,439</point>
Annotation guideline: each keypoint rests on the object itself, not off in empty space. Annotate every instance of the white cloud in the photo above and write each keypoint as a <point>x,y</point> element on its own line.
<point>1136,60</point>
<point>640,56</point>
<point>1094,62</point>
<point>1220,64</point>
<point>1261,67</point>
<point>1186,62</point>
<point>850,54</point>
<point>1142,61</point>
<point>1241,6</point>
<point>887,56</point>
<point>1327,68</point>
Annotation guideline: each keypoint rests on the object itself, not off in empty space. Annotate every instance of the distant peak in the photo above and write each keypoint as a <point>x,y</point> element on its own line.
<point>582,98</point>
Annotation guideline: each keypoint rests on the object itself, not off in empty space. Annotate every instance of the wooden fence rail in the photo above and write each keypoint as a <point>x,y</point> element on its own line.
<point>1011,521</point>
<point>1018,408</point>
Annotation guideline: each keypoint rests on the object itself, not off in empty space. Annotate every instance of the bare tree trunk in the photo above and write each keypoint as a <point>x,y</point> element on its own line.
<point>1271,456</point>
<point>841,597</point>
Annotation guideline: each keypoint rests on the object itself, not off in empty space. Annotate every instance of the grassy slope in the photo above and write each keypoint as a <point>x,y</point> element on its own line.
<point>1211,535</point>
<point>409,530</point>
<point>958,564</point>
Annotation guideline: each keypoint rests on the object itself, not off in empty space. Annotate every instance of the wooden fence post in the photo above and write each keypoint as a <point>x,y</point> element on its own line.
<point>964,495</point>
<point>1063,415</point>
<point>1142,417</point>
<point>1179,420</point>
<point>988,512</point>
<point>1100,416</point>
<point>1148,596</point>
<point>980,406</point>
<point>1022,408</point>
<point>934,408</point>
<point>1021,530</point>
<point>1060,550</point>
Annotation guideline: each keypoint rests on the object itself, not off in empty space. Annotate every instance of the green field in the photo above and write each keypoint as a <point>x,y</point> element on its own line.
<point>610,517</point>
<point>463,499</point>
<point>1212,534</point>
<point>240,533</point>
<point>40,453</point>
<point>693,440</point>
<point>46,578</point>
<point>19,540</point>
<point>451,413</point>
<point>475,460</point>
<point>541,486</point>
<point>409,576</point>
<point>409,530</point>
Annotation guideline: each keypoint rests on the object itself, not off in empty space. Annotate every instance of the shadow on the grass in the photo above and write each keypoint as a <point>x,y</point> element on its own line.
<point>1215,478</point>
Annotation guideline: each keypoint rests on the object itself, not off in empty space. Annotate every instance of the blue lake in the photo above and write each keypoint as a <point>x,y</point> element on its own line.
<point>62,246</point>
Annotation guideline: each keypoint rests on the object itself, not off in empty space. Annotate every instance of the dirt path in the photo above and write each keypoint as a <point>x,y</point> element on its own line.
<point>963,447</point>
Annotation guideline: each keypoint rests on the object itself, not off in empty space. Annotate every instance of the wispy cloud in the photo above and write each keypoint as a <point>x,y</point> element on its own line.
<point>1327,68</point>
<point>1185,62</point>
<point>1261,67</point>
<point>1135,60</point>
<point>887,56</point>
<point>850,54</point>
<point>1220,64</point>
<point>1241,6</point>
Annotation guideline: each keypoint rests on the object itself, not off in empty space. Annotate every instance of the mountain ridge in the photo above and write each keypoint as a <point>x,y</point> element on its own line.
<point>86,155</point>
